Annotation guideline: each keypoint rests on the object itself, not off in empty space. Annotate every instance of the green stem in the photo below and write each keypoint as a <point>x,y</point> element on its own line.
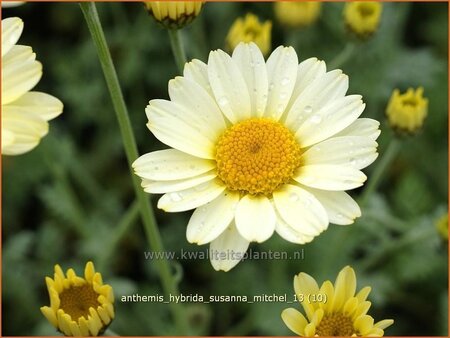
<point>343,56</point>
<point>151,229</point>
<point>379,170</point>
<point>177,48</point>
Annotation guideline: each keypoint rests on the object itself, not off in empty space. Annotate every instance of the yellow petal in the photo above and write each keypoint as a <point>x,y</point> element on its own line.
<point>89,272</point>
<point>50,315</point>
<point>294,320</point>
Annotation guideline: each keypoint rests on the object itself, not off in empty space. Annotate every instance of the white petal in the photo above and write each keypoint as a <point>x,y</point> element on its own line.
<point>323,90</point>
<point>7,138</point>
<point>330,177</point>
<point>301,210</point>
<point>250,61</point>
<point>162,187</point>
<point>197,71</point>
<point>12,4</point>
<point>203,109</point>
<point>191,198</point>
<point>26,128</point>
<point>18,54</point>
<point>228,86</point>
<point>308,71</point>
<point>227,250</point>
<point>175,126</point>
<point>170,164</point>
<point>43,105</point>
<point>330,120</point>
<point>362,127</point>
<point>18,78</point>
<point>354,151</point>
<point>282,74</point>
<point>11,30</point>
<point>291,234</point>
<point>210,220</point>
<point>255,218</point>
<point>340,207</point>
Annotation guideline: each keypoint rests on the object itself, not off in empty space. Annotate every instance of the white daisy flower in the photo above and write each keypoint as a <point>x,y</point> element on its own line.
<point>24,113</point>
<point>258,147</point>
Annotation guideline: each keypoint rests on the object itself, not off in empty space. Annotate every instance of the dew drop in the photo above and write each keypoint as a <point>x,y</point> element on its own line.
<point>155,167</point>
<point>308,109</point>
<point>353,161</point>
<point>175,197</point>
<point>223,101</point>
<point>316,119</point>
<point>284,81</point>
<point>293,197</point>
<point>271,86</point>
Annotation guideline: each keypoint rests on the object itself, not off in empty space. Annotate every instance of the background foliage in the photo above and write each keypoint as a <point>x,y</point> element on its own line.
<point>71,199</point>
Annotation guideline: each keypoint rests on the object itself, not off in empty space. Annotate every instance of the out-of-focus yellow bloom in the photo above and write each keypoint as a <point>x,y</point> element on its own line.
<point>25,113</point>
<point>297,14</point>
<point>363,18</point>
<point>406,112</point>
<point>250,29</point>
<point>7,4</point>
<point>333,310</point>
<point>174,14</point>
<point>442,226</point>
<point>79,306</point>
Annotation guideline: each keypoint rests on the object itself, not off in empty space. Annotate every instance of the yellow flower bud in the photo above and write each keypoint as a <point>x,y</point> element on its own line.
<point>174,14</point>
<point>406,112</point>
<point>362,18</point>
<point>297,14</point>
<point>250,29</point>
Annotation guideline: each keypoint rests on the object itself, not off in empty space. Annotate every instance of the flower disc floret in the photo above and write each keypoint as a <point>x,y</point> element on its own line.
<point>256,156</point>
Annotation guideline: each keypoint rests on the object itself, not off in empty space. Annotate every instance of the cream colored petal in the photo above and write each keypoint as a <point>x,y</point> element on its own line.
<point>345,287</point>
<point>162,187</point>
<point>327,289</point>
<point>354,151</point>
<point>7,139</point>
<point>330,177</point>
<point>228,86</point>
<point>203,108</point>
<point>18,54</point>
<point>175,126</point>
<point>291,234</point>
<point>308,71</point>
<point>282,68</point>
<point>310,330</point>
<point>363,324</point>
<point>197,71</point>
<point>362,127</point>
<point>329,120</point>
<point>323,91</point>
<point>383,324</point>
<point>18,78</point>
<point>191,198</point>
<point>301,210</point>
<point>363,293</point>
<point>305,285</point>
<point>50,315</point>
<point>227,250</point>
<point>209,221</point>
<point>170,164</point>
<point>40,104</point>
<point>250,62</point>
<point>11,30</point>
<point>340,207</point>
<point>255,218</point>
<point>294,320</point>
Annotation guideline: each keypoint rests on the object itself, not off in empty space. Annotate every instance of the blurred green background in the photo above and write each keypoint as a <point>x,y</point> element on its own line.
<point>71,200</point>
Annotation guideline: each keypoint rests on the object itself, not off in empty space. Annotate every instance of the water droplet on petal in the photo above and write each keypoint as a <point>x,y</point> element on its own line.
<point>353,161</point>
<point>175,197</point>
<point>223,101</point>
<point>293,197</point>
<point>284,81</point>
<point>308,109</point>
<point>316,119</point>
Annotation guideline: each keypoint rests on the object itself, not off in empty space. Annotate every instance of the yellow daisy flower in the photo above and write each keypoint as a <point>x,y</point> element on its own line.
<point>24,113</point>
<point>338,313</point>
<point>259,147</point>
<point>250,29</point>
<point>363,18</point>
<point>407,112</point>
<point>174,14</point>
<point>297,13</point>
<point>79,306</point>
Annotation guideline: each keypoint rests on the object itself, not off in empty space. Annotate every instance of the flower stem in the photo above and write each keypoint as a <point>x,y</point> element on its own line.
<point>343,56</point>
<point>379,170</point>
<point>151,229</point>
<point>177,48</point>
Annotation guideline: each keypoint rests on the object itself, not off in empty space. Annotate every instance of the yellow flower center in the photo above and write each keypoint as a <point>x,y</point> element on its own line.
<point>256,156</point>
<point>335,324</point>
<point>77,300</point>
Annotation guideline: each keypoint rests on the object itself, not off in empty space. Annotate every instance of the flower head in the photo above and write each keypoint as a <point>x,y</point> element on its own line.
<point>363,18</point>
<point>250,29</point>
<point>79,306</point>
<point>332,310</point>
<point>407,112</point>
<point>174,14</point>
<point>259,147</point>
<point>24,113</point>
<point>297,14</point>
